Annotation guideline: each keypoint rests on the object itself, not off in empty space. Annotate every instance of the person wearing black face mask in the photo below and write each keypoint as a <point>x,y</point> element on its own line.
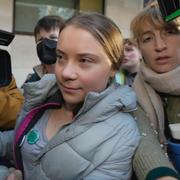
<point>46,34</point>
<point>46,51</point>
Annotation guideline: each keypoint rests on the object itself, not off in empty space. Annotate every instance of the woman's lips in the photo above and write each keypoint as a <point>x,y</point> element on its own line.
<point>70,89</point>
<point>162,59</point>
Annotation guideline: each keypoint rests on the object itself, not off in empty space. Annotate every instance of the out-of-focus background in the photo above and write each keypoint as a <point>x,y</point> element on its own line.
<point>20,17</point>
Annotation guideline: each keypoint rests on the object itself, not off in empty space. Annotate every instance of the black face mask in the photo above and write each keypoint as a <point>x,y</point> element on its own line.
<point>46,51</point>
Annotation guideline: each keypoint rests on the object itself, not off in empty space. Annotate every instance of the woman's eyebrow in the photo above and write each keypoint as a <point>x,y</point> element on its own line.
<point>146,32</point>
<point>87,54</point>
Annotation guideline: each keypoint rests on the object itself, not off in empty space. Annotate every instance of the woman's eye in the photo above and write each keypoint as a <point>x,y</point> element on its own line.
<point>83,60</point>
<point>146,39</point>
<point>171,31</point>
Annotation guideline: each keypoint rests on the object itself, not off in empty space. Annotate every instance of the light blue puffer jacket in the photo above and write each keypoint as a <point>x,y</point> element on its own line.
<point>97,145</point>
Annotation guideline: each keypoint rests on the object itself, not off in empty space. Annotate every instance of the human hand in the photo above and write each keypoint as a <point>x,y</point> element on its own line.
<point>167,178</point>
<point>15,175</point>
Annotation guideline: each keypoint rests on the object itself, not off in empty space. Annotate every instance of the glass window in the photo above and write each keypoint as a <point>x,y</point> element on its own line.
<point>27,13</point>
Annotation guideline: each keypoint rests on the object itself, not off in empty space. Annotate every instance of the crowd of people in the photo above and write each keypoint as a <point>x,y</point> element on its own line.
<point>99,106</point>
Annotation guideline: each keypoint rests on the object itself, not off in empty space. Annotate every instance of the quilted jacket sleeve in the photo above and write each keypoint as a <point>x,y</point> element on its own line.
<point>6,139</point>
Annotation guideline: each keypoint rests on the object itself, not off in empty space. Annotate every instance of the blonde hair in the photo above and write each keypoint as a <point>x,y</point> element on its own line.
<point>151,14</point>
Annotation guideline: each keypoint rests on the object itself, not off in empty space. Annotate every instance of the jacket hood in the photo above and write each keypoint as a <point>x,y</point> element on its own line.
<point>36,93</point>
<point>103,105</point>
<point>114,97</point>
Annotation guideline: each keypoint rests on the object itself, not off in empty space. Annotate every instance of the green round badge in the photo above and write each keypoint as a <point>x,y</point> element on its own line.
<point>33,136</point>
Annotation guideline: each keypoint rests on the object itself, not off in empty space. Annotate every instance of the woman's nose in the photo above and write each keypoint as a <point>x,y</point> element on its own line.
<point>69,71</point>
<point>160,44</point>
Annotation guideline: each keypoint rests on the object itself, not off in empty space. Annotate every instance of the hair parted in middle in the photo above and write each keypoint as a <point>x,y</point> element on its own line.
<point>104,30</point>
<point>151,14</point>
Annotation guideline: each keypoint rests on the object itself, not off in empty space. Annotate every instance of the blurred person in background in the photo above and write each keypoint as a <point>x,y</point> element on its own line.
<point>46,34</point>
<point>130,63</point>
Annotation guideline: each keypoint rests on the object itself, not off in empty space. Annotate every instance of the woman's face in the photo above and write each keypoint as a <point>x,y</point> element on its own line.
<point>82,65</point>
<point>160,48</point>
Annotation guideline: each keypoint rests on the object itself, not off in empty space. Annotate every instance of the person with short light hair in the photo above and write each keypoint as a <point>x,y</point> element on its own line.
<point>157,86</point>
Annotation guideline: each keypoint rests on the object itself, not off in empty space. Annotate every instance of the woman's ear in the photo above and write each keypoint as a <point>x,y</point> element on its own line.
<point>113,72</point>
